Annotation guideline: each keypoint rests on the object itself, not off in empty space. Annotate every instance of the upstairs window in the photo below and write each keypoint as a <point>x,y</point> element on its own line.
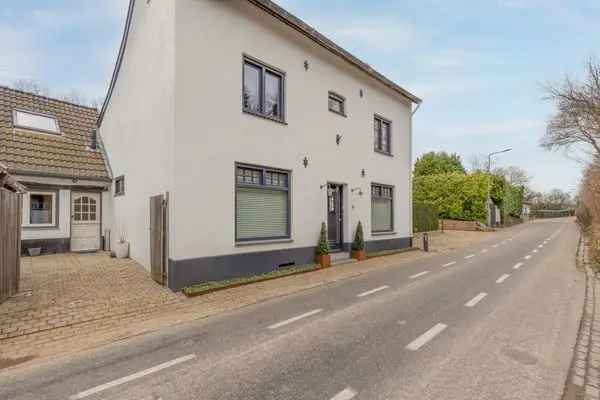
<point>337,104</point>
<point>383,135</point>
<point>35,121</point>
<point>263,90</point>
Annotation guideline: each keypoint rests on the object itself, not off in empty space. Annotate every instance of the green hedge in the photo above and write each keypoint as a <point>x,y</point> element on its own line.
<point>425,217</point>
<point>454,195</point>
<point>512,204</point>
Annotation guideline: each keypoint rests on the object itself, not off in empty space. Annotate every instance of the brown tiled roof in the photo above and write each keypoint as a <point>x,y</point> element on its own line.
<point>30,152</point>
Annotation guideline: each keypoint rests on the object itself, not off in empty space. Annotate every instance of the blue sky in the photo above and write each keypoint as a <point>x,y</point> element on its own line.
<point>478,65</point>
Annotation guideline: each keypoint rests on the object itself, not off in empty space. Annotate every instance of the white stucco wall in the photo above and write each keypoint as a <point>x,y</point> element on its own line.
<point>138,127</point>
<point>212,132</point>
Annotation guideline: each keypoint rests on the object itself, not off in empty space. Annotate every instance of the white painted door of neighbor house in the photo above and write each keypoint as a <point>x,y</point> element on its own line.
<point>85,221</point>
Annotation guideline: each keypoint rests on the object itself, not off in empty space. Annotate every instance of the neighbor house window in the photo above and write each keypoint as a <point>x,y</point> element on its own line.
<point>120,186</point>
<point>337,104</point>
<point>382,206</point>
<point>263,90</point>
<point>40,209</point>
<point>382,135</point>
<point>262,206</point>
<point>39,122</point>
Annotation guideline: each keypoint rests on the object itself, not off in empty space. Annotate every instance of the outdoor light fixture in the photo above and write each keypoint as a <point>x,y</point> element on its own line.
<point>338,139</point>
<point>361,93</point>
<point>306,65</point>
<point>305,162</point>
<point>489,166</point>
<point>363,173</point>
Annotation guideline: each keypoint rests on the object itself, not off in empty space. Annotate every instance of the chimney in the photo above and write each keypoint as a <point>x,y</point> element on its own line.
<point>94,144</point>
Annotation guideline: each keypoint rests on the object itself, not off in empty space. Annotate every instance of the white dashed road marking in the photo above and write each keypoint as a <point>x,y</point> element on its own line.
<point>534,251</point>
<point>418,275</point>
<point>495,245</point>
<point>345,394</point>
<point>528,256</point>
<point>469,256</point>
<point>540,246</point>
<point>449,264</point>
<point>502,278</point>
<point>132,377</point>
<point>294,319</point>
<point>475,300</point>
<point>426,337</point>
<point>484,251</point>
<point>517,266</point>
<point>379,289</point>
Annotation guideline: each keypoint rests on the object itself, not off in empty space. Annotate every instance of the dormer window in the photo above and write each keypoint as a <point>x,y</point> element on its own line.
<point>35,121</point>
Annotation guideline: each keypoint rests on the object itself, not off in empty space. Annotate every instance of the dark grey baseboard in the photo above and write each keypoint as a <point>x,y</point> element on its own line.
<point>49,246</point>
<point>191,271</point>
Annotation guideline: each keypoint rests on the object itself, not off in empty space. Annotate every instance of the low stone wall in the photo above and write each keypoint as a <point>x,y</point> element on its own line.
<point>455,225</point>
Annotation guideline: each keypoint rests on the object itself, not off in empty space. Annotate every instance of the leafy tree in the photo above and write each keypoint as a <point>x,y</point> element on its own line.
<point>433,163</point>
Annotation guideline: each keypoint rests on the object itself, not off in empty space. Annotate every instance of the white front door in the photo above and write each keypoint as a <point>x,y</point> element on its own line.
<point>85,221</point>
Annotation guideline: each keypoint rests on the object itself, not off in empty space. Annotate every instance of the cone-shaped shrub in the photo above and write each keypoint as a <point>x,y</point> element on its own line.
<point>323,244</point>
<point>359,238</point>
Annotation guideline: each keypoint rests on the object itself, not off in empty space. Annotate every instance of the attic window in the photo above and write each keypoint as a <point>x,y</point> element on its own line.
<point>35,121</point>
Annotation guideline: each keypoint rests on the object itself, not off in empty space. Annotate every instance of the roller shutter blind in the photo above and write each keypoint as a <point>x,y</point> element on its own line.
<point>382,205</point>
<point>382,215</point>
<point>261,213</point>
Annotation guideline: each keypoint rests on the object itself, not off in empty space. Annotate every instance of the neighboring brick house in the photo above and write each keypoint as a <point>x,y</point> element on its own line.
<point>50,147</point>
<point>253,128</point>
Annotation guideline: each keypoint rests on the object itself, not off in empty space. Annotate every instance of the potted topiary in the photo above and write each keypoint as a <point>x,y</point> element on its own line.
<point>323,258</point>
<point>358,245</point>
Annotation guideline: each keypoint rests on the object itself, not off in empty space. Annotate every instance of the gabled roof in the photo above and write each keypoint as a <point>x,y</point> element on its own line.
<point>287,18</point>
<point>26,151</point>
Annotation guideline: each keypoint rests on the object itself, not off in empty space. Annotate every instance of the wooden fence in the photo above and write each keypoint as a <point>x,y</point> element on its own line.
<point>10,243</point>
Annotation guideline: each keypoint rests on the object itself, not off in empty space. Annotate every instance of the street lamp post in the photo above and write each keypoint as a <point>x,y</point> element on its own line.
<point>489,188</point>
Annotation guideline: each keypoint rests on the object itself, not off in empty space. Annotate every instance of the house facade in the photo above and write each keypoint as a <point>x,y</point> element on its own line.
<point>255,129</point>
<point>49,146</point>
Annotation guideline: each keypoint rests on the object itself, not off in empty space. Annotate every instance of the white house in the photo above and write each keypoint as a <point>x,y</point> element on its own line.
<point>50,147</point>
<point>254,128</point>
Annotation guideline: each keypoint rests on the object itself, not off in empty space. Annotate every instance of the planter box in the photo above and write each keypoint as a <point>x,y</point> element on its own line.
<point>122,249</point>
<point>359,255</point>
<point>34,251</point>
<point>324,261</point>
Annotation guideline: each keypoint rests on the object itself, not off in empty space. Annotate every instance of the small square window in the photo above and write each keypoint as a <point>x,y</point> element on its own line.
<point>119,186</point>
<point>337,104</point>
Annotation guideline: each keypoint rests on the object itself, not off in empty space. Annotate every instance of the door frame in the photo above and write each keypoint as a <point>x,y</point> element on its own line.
<point>340,186</point>
<point>99,210</point>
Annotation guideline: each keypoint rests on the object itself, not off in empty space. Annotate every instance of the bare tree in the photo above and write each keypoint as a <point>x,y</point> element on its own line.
<point>478,163</point>
<point>30,86</point>
<point>514,175</point>
<point>577,119</point>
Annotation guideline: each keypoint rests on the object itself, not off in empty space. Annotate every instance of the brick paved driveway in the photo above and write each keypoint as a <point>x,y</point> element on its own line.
<point>63,295</point>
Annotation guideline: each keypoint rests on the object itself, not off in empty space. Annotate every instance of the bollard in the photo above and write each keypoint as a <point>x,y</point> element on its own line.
<point>425,241</point>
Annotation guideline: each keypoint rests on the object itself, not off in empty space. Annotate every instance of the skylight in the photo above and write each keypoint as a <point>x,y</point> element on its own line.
<point>24,119</point>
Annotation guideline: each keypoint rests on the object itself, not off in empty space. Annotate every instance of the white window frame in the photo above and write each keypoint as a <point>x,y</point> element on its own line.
<point>27,209</point>
<point>56,132</point>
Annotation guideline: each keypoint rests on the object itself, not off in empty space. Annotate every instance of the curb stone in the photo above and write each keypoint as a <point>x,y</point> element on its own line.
<point>583,382</point>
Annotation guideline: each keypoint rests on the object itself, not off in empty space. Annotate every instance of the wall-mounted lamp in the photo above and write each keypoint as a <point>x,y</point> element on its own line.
<point>361,93</point>
<point>363,173</point>
<point>338,139</point>
<point>305,162</point>
<point>306,65</point>
<point>360,192</point>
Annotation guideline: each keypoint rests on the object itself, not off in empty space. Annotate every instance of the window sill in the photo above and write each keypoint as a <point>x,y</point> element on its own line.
<point>383,233</point>
<point>259,242</point>
<point>339,113</point>
<point>385,153</point>
<point>34,227</point>
<point>255,114</point>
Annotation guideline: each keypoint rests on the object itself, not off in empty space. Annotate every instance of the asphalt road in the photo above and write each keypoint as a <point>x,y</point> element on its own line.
<point>494,321</point>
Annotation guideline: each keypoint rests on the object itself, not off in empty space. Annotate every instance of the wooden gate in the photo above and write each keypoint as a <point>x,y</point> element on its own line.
<point>158,237</point>
<point>10,244</point>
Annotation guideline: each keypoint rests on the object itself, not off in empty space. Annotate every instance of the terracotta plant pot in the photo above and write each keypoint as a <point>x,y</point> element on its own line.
<point>324,261</point>
<point>359,255</point>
